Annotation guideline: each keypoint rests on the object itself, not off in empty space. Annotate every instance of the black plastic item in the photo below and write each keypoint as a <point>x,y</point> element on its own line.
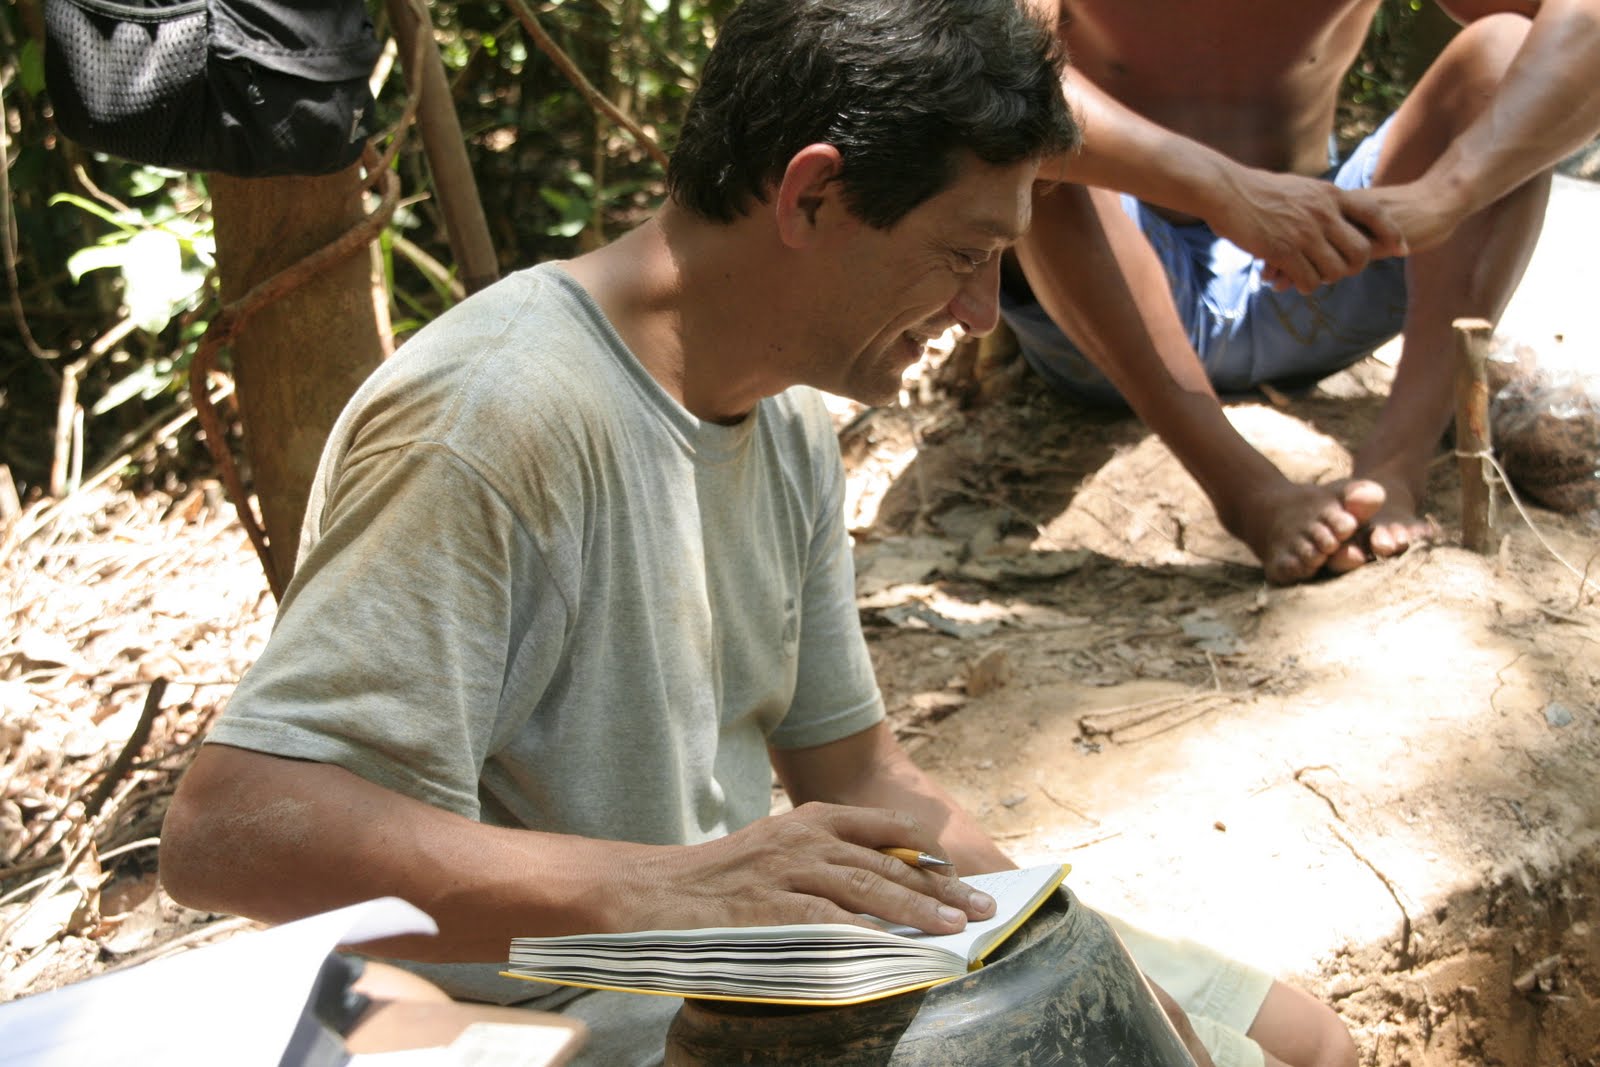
<point>1062,992</point>
<point>251,88</point>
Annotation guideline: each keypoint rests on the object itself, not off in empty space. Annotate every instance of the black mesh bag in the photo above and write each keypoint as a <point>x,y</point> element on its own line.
<point>252,88</point>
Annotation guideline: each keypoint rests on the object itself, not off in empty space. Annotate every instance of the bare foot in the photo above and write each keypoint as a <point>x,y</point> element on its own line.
<point>1295,530</point>
<point>1393,529</point>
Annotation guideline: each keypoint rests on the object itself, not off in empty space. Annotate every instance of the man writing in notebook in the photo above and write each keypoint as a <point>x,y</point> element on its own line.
<point>1241,253</point>
<point>575,580</point>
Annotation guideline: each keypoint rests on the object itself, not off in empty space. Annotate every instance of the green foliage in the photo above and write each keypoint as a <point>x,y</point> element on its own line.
<point>100,240</point>
<point>1379,77</point>
<point>161,255</point>
<point>1405,37</point>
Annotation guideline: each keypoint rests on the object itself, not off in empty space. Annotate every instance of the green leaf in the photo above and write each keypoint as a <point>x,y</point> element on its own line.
<point>556,199</point>
<point>155,283</point>
<point>142,181</point>
<point>122,223</point>
<point>30,68</point>
<point>97,257</point>
<point>145,381</point>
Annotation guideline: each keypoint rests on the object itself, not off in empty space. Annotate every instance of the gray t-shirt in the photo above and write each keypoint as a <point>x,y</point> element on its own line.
<point>535,590</point>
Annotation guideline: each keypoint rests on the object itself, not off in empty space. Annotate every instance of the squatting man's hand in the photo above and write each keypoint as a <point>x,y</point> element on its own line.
<point>1307,232</point>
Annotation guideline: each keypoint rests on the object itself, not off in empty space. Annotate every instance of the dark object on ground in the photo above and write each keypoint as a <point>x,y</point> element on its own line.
<point>1546,428</point>
<point>1061,993</point>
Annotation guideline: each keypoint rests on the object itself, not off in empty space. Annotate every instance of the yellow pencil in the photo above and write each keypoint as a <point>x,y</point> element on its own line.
<point>914,858</point>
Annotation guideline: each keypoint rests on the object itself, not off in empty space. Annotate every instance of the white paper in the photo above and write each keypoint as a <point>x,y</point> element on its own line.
<point>234,1003</point>
<point>483,1045</point>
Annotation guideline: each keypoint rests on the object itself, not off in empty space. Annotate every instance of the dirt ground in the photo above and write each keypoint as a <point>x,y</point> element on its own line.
<point>1381,786</point>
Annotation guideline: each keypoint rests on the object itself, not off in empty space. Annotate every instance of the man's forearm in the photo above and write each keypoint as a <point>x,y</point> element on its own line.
<point>1124,151</point>
<point>1545,108</point>
<point>902,786</point>
<point>278,839</point>
<point>872,770</point>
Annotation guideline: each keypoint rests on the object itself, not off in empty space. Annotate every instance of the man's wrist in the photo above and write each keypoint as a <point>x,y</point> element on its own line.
<point>1214,182</point>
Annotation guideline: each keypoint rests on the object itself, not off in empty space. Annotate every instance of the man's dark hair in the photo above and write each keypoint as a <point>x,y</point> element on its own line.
<point>899,87</point>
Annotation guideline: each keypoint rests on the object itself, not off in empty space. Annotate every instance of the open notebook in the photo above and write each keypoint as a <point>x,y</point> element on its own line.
<point>807,964</point>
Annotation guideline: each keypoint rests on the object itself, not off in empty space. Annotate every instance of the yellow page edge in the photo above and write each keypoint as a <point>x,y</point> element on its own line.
<point>796,1001</point>
<point>1022,917</point>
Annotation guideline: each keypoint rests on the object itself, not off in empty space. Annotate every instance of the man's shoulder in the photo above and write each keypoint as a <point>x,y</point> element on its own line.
<point>537,302</point>
<point>529,341</point>
<point>516,375</point>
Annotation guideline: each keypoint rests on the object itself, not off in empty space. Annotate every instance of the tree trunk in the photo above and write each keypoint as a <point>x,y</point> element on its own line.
<point>298,360</point>
<point>444,147</point>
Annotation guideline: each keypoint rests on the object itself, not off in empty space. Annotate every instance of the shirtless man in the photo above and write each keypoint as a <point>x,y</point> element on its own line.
<point>1238,263</point>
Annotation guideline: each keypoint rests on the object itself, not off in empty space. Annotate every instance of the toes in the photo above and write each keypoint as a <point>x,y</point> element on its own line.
<point>1389,540</point>
<point>1362,499</point>
<point>1340,523</point>
<point>1283,569</point>
<point>1346,558</point>
<point>1324,538</point>
<point>1395,538</point>
<point>1294,562</point>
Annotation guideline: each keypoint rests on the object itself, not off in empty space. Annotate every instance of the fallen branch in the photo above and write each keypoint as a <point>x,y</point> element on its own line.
<point>112,776</point>
<point>1299,777</point>
<point>136,741</point>
<point>69,445</point>
<point>1085,842</point>
<point>55,881</point>
<point>153,432</point>
<point>1124,720</point>
<point>209,932</point>
<point>596,99</point>
<point>109,854</point>
<point>1058,802</point>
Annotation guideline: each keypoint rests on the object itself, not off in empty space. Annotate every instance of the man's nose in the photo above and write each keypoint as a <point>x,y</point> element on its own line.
<point>976,304</point>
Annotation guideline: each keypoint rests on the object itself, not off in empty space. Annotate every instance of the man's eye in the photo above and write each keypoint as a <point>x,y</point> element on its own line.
<point>973,259</point>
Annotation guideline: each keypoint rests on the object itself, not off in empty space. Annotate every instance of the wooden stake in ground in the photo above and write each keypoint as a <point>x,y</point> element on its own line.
<point>1472,432</point>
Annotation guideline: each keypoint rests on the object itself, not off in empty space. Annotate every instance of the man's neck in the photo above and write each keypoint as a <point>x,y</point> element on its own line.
<point>692,301</point>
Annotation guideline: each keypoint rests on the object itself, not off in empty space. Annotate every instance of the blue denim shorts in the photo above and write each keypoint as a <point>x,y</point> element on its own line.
<point>1245,332</point>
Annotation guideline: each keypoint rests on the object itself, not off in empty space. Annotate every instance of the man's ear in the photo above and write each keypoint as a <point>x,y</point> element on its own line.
<point>809,182</point>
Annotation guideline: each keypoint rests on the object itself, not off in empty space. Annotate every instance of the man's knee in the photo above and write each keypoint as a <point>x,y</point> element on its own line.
<point>1299,1030</point>
<point>1473,65</point>
<point>1450,96</point>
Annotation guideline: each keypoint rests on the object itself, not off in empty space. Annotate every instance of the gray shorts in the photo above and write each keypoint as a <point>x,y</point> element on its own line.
<point>1244,332</point>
